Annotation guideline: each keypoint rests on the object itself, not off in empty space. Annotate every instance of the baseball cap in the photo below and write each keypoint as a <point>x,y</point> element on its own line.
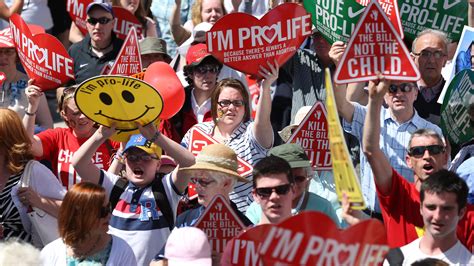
<point>142,143</point>
<point>292,153</point>
<point>105,6</point>
<point>188,246</point>
<point>197,53</point>
<point>153,45</point>
<point>198,36</point>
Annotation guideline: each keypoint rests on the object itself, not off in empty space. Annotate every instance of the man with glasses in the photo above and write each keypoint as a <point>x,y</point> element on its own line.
<point>97,51</point>
<point>429,51</point>
<point>302,173</point>
<point>397,121</point>
<point>399,198</point>
<point>201,73</point>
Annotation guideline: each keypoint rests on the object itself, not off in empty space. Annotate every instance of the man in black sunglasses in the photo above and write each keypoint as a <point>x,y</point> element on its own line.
<point>400,199</point>
<point>97,51</point>
<point>273,189</point>
<point>302,173</point>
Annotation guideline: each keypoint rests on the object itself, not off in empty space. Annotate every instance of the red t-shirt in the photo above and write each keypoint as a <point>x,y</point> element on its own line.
<point>59,145</point>
<point>401,213</point>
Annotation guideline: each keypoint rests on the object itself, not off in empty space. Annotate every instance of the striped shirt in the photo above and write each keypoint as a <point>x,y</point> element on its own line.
<point>394,138</point>
<point>246,146</point>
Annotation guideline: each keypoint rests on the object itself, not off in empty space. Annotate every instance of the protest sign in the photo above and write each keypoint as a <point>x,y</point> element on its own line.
<point>375,47</point>
<point>163,78</point>
<point>77,12</point>
<point>335,19</point>
<point>128,60</point>
<point>43,56</point>
<point>345,177</point>
<point>295,241</point>
<point>312,135</point>
<point>455,120</point>
<point>243,42</point>
<point>119,101</point>
<point>461,59</point>
<point>390,7</point>
<point>448,16</point>
<point>2,79</point>
<point>220,223</point>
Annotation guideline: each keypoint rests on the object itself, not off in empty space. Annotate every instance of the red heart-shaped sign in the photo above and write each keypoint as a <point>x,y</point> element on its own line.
<point>310,238</point>
<point>43,56</point>
<point>163,78</point>
<point>244,42</point>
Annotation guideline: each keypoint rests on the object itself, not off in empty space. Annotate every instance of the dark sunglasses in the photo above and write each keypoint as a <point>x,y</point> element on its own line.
<point>404,87</point>
<point>101,21</point>
<point>136,158</point>
<point>203,183</point>
<point>227,103</point>
<point>105,211</point>
<point>265,192</point>
<point>206,68</point>
<point>418,151</point>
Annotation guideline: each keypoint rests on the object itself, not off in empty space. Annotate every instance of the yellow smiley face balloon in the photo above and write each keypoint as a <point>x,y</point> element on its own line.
<point>120,101</point>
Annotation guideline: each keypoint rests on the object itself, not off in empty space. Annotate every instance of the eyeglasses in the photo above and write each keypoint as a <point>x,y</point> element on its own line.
<point>404,87</point>
<point>105,211</point>
<point>426,54</point>
<point>136,158</point>
<point>265,192</point>
<point>101,21</point>
<point>300,178</point>
<point>227,103</point>
<point>7,51</point>
<point>203,183</point>
<point>418,151</point>
<point>206,68</point>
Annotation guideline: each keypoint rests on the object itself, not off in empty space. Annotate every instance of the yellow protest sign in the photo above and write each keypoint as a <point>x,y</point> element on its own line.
<point>345,177</point>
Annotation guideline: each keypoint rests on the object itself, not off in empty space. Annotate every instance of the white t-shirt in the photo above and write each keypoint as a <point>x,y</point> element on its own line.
<point>54,254</point>
<point>456,255</point>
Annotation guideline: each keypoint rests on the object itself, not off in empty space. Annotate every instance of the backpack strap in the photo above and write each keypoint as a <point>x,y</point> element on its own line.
<point>117,190</point>
<point>162,200</point>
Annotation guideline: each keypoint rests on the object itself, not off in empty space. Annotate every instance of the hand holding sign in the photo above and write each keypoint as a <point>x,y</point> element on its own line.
<point>244,42</point>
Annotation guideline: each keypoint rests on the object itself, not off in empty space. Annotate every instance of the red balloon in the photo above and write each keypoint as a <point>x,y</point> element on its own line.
<point>162,76</point>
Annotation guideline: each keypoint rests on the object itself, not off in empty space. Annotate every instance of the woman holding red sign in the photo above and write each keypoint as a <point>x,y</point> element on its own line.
<point>136,8</point>
<point>232,125</point>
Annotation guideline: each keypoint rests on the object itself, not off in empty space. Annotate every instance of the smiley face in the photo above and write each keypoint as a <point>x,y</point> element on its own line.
<point>119,100</point>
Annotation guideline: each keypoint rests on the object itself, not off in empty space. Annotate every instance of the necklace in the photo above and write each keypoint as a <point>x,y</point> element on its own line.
<point>79,254</point>
<point>101,49</point>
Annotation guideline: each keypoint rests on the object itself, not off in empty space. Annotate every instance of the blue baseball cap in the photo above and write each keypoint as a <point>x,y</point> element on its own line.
<point>142,143</point>
<point>105,6</point>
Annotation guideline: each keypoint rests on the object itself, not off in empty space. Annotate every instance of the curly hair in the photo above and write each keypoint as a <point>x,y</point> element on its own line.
<point>14,141</point>
<point>196,10</point>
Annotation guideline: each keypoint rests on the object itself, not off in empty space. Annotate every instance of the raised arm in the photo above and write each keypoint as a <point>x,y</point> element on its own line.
<point>263,130</point>
<point>34,94</point>
<point>371,137</point>
<point>6,12</point>
<point>179,33</point>
<point>43,116</point>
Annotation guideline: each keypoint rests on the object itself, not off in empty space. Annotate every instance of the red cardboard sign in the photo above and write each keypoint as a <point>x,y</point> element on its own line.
<point>296,241</point>
<point>312,135</point>
<point>254,90</point>
<point>128,61</point>
<point>390,7</point>
<point>220,223</point>
<point>77,12</point>
<point>2,79</point>
<point>43,56</point>
<point>244,42</point>
<point>375,47</point>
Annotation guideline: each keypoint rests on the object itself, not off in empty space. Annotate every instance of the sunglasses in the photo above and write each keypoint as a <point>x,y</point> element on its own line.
<point>418,151</point>
<point>136,158</point>
<point>206,68</point>
<point>265,192</point>
<point>227,103</point>
<point>426,54</point>
<point>203,183</point>
<point>101,21</point>
<point>404,87</point>
<point>105,211</point>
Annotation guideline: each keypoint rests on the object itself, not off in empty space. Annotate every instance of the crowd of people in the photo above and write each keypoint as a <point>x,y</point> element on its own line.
<point>129,203</point>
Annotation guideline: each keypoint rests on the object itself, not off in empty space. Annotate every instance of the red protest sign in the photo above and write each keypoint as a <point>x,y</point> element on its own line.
<point>254,90</point>
<point>125,21</point>
<point>77,12</point>
<point>128,60</point>
<point>244,42</point>
<point>220,223</point>
<point>43,56</point>
<point>375,47</point>
<point>390,7</point>
<point>312,135</point>
<point>2,79</point>
<point>293,242</point>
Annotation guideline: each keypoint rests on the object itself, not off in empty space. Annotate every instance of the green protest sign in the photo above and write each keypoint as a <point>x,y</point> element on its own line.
<point>448,16</point>
<point>454,115</point>
<point>335,19</point>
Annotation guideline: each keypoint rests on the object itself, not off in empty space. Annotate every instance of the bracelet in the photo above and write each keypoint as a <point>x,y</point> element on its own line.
<point>155,137</point>
<point>30,114</point>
